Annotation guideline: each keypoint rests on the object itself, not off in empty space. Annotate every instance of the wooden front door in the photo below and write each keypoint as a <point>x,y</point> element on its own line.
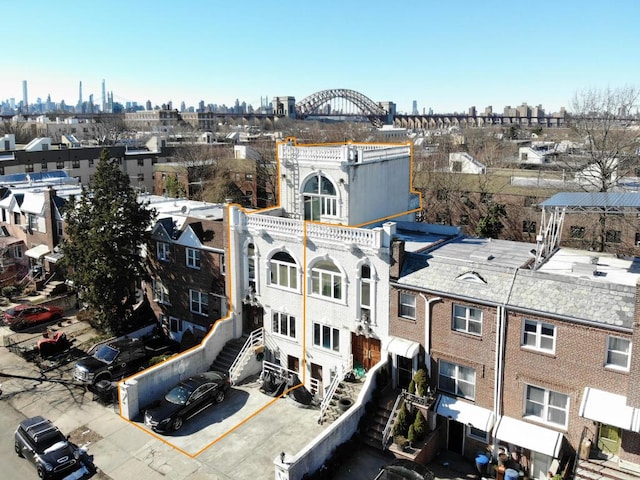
<point>293,363</point>
<point>365,351</point>
<point>252,318</point>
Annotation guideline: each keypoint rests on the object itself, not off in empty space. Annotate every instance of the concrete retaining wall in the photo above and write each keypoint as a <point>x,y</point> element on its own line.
<point>320,449</point>
<point>142,389</point>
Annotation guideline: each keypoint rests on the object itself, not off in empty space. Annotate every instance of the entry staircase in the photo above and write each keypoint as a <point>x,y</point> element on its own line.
<point>596,469</point>
<point>229,354</point>
<point>377,418</point>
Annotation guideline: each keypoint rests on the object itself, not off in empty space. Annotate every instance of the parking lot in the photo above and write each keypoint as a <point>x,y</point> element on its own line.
<point>236,439</point>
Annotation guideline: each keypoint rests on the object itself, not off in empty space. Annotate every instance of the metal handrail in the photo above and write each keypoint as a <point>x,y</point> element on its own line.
<point>333,386</point>
<point>255,338</point>
<point>386,433</point>
<point>585,431</point>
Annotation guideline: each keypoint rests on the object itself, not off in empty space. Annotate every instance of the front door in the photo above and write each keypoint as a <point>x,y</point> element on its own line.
<point>456,436</point>
<point>366,351</point>
<point>293,363</point>
<point>405,371</point>
<point>609,440</point>
<point>252,318</point>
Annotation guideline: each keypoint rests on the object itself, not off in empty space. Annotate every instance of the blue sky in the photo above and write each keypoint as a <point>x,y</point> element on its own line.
<point>446,55</point>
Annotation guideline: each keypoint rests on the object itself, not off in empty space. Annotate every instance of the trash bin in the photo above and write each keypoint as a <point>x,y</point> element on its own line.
<point>481,463</point>
<point>511,474</point>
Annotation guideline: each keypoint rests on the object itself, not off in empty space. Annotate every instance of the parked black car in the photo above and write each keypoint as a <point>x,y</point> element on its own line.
<point>39,441</point>
<point>186,399</point>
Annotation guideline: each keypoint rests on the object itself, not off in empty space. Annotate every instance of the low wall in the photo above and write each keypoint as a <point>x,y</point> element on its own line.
<point>144,388</point>
<point>316,453</point>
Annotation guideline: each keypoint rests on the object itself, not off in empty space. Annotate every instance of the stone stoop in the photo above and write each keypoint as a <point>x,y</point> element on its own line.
<point>598,469</point>
<point>374,422</point>
<point>346,390</point>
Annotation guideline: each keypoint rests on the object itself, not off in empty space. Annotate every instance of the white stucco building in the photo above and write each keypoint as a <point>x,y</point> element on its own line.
<point>314,271</point>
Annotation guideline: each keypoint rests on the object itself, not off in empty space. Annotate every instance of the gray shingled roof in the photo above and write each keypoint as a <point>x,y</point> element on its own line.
<point>490,272</point>
<point>594,199</point>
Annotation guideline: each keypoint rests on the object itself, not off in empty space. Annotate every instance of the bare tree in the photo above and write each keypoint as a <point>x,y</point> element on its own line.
<point>201,163</point>
<point>603,120</point>
<point>22,131</point>
<point>109,128</point>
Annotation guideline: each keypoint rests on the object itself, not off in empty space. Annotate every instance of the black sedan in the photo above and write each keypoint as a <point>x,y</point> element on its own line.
<point>185,400</point>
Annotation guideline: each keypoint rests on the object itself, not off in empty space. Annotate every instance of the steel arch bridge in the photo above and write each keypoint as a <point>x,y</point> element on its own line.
<point>367,107</point>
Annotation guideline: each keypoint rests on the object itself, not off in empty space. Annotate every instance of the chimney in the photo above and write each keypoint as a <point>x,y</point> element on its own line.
<point>397,258</point>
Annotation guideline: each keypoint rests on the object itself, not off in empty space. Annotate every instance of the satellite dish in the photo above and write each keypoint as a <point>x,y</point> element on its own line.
<point>184,209</point>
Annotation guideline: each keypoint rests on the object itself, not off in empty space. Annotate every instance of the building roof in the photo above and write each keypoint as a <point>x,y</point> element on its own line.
<point>602,200</point>
<point>571,284</point>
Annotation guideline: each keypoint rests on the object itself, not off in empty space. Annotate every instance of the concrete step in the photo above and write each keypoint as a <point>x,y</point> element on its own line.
<point>594,470</point>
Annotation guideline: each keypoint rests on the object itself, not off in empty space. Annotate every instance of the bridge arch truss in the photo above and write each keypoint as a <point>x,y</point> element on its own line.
<point>310,105</point>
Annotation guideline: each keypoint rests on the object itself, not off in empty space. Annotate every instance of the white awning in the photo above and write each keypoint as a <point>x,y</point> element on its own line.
<point>403,347</point>
<point>529,436</point>
<point>610,409</point>
<point>465,412</point>
<point>37,252</point>
<point>53,257</point>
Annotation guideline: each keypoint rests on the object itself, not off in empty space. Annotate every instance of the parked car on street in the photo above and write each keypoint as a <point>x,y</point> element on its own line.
<point>43,444</point>
<point>185,400</point>
<point>24,316</point>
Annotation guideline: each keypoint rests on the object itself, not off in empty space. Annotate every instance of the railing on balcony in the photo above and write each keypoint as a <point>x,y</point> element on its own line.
<point>255,339</point>
<point>426,401</point>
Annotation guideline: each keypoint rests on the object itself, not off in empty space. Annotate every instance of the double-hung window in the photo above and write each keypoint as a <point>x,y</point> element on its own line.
<point>162,251</point>
<point>283,271</point>
<point>365,294</point>
<point>457,379</point>
<point>199,302</point>
<point>618,352</point>
<point>326,337</point>
<point>284,324</point>
<point>467,319</point>
<point>326,280</point>
<point>546,405</point>
<point>407,305</point>
<point>160,292</point>
<point>539,336</point>
<point>193,258</point>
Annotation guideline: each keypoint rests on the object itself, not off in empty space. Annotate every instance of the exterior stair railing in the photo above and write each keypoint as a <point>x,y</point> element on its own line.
<point>333,386</point>
<point>386,433</point>
<point>255,339</point>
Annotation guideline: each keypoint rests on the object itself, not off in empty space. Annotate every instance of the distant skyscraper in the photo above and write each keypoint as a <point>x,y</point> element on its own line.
<point>148,105</point>
<point>104,97</point>
<point>414,110</point>
<point>80,95</point>
<point>25,98</point>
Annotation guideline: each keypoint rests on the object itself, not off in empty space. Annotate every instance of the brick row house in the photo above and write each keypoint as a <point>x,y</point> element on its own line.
<point>186,267</point>
<point>533,360</point>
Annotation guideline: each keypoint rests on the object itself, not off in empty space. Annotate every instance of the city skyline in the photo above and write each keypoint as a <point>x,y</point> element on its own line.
<point>446,58</point>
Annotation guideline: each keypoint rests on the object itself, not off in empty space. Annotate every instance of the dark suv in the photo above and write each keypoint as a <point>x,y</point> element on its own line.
<point>40,442</point>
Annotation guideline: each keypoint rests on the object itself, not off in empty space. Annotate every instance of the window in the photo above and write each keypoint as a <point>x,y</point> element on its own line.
<point>75,164</point>
<point>546,405</point>
<point>160,292</point>
<point>28,168</point>
<point>467,319</point>
<point>456,379</point>
<point>528,226</point>
<point>284,324</point>
<point>33,221</point>
<point>60,165</point>
<point>326,337</point>
<point>407,305</point>
<point>43,166</point>
<point>175,325</point>
<point>326,280</point>
<point>193,258</point>
<point>251,266</point>
<point>17,251</point>
<point>319,198</point>
<point>576,232</point>
<point>91,162</point>
<point>613,236</point>
<point>478,434</point>
<point>618,352</point>
<point>365,294</point>
<point>59,228</point>
<point>141,162</point>
<point>283,271</point>
<point>199,302</point>
<point>539,335</point>
<point>162,250</point>
<point>141,177</point>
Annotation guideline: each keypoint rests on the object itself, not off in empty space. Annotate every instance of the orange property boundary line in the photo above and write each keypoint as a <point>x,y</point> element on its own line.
<point>304,290</point>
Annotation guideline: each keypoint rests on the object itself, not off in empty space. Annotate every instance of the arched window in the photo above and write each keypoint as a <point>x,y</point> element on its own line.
<point>326,280</point>
<point>319,198</point>
<point>283,271</point>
